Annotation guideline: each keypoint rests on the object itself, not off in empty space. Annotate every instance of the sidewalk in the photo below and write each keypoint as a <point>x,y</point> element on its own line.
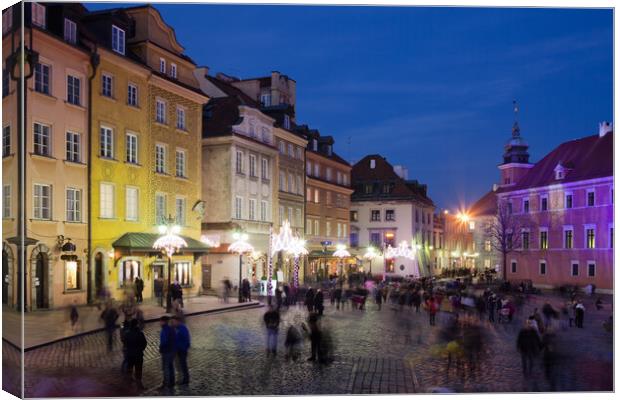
<point>45,327</point>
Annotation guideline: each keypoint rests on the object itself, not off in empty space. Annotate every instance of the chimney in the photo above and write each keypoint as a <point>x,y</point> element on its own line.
<point>604,128</point>
<point>202,72</point>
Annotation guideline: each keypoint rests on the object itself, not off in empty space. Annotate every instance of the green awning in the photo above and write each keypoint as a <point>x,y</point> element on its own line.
<point>137,241</point>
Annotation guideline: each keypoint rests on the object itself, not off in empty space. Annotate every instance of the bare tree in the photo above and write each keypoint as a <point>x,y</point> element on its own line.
<point>504,232</point>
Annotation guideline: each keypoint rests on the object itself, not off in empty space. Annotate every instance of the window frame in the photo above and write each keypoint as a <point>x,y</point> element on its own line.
<point>160,158</point>
<point>76,216</point>
<point>103,204</point>
<point>43,85</point>
<point>71,154</point>
<point>173,70</point>
<point>180,212</point>
<point>542,230</point>
<point>74,90</point>
<point>41,216</point>
<point>106,147</point>
<point>586,236</point>
<point>128,216</point>
<point>591,263</point>
<point>565,244</point>
<point>107,85</point>
<point>6,140</point>
<point>160,111</point>
<point>540,267</point>
<point>7,206</point>
<point>45,141</point>
<point>118,37</point>
<point>38,15</point>
<point>373,213</point>
<point>588,193</point>
<point>163,207</point>
<point>573,264</point>
<point>71,36</point>
<point>131,149</point>
<point>183,164</point>
<point>135,95</point>
<point>181,118</point>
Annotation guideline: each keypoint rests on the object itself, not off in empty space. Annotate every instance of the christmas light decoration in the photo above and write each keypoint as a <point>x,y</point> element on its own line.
<point>298,249</point>
<point>170,242</point>
<point>402,250</point>
<point>284,240</point>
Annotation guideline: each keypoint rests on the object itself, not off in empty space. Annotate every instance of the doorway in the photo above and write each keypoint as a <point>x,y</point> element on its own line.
<point>206,276</point>
<point>41,284</point>
<point>5,277</point>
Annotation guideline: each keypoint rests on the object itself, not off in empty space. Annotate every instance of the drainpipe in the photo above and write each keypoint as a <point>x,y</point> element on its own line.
<point>94,63</point>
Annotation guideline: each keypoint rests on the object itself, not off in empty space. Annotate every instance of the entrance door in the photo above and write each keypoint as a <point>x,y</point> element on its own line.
<point>5,277</point>
<point>98,273</point>
<point>206,276</point>
<point>42,269</point>
<point>158,273</point>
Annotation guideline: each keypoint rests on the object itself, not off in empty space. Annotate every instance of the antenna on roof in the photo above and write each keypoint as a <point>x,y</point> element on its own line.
<point>515,127</point>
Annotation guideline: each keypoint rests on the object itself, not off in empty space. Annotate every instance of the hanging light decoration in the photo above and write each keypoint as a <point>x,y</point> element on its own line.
<point>402,250</point>
<point>298,250</point>
<point>284,240</point>
<point>341,251</point>
<point>211,242</point>
<point>170,242</point>
<point>240,245</point>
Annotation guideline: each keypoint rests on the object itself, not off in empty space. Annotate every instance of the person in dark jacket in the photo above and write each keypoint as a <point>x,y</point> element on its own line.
<point>278,298</point>
<point>245,290</point>
<point>528,344</point>
<point>139,284</point>
<point>182,344</point>
<point>167,349</point>
<point>310,299</point>
<point>158,288</point>
<point>272,323</point>
<point>314,331</point>
<point>338,296</point>
<point>318,302</point>
<point>417,300</point>
<point>109,317</point>
<point>135,343</point>
<point>378,298</point>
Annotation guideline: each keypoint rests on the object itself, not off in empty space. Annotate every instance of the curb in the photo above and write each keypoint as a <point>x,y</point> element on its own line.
<point>237,307</point>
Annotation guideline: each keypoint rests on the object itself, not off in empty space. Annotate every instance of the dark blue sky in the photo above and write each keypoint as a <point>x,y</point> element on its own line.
<point>430,88</point>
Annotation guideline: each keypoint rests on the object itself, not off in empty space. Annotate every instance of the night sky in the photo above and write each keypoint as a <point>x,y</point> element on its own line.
<point>429,88</point>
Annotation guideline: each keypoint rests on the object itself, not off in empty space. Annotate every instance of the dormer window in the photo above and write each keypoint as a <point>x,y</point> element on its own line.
<point>315,145</point>
<point>560,171</point>
<point>173,70</point>
<point>38,15</point>
<point>373,163</point>
<point>265,99</point>
<point>329,150</point>
<point>70,31</point>
<point>162,65</point>
<point>287,122</point>
<point>118,39</point>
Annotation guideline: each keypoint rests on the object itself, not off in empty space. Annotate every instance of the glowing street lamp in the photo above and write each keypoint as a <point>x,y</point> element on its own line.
<point>170,243</point>
<point>371,254</point>
<point>241,247</point>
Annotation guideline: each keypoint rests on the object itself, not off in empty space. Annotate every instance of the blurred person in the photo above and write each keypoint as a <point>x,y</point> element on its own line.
<point>548,314</point>
<point>135,343</point>
<point>246,292</point>
<point>580,311</point>
<point>286,294</point>
<point>109,317</point>
<point>338,296</point>
<point>528,344</point>
<point>182,344</point>
<point>74,315</point>
<point>539,321</point>
<point>272,323</point>
<point>123,333</point>
<point>139,286</point>
<point>226,288</point>
<point>378,298</point>
<point>158,288</point>
<point>292,343</point>
<point>177,292</point>
<point>550,358</point>
<point>318,302</point>
<point>167,349</point>
<point>314,332</point>
<point>432,308</point>
<point>416,300</point>
<point>599,304</point>
<point>310,299</point>
<point>278,298</point>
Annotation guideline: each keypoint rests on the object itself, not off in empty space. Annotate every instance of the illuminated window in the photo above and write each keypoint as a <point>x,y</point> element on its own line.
<point>590,237</point>
<point>568,238</point>
<point>72,275</point>
<point>130,269</point>
<point>544,239</point>
<point>183,273</point>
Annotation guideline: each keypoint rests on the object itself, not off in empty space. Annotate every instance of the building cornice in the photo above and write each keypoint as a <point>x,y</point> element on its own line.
<point>558,186</point>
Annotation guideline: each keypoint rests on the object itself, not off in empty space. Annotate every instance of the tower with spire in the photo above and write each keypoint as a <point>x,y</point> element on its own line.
<point>516,157</point>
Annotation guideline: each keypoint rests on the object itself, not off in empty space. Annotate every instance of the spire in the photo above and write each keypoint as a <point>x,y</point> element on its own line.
<point>516,131</point>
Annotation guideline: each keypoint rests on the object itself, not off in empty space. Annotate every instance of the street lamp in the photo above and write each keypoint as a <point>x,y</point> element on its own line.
<point>240,246</point>
<point>371,254</point>
<point>170,242</point>
<point>341,252</point>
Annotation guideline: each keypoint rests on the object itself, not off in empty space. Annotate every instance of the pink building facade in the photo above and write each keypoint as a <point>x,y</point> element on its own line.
<point>563,206</point>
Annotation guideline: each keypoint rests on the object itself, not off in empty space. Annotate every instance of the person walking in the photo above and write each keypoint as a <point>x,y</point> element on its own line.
<point>528,344</point>
<point>167,349</point>
<point>278,298</point>
<point>580,311</point>
<point>109,317</point>
<point>158,288</point>
<point>245,290</point>
<point>378,298</point>
<point>432,307</point>
<point>416,299</point>
<point>272,322</point>
<point>73,315</point>
<point>491,307</point>
<point>182,344</point>
<point>135,343</point>
<point>292,342</point>
<point>314,332</point>
<point>139,284</point>
<point>338,296</point>
<point>310,299</point>
<point>318,302</point>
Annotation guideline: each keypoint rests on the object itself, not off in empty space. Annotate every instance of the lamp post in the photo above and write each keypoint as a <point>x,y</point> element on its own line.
<point>298,249</point>
<point>170,242</point>
<point>240,246</point>
<point>341,252</point>
<point>371,254</point>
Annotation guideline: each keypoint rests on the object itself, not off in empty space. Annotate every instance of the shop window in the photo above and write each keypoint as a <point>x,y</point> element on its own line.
<point>72,275</point>
<point>183,273</point>
<point>129,270</point>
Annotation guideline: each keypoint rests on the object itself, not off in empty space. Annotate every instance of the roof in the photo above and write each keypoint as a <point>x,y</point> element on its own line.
<point>590,157</point>
<point>307,133</point>
<point>144,242</point>
<point>486,205</point>
<point>383,173</point>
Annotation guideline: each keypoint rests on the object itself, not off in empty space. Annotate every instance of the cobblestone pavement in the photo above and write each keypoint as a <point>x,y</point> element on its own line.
<point>385,351</point>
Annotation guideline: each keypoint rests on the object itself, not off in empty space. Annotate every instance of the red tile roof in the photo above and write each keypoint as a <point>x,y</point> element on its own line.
<point>590,157</point>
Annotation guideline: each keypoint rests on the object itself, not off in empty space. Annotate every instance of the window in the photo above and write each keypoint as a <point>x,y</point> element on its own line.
<point>590,238</point>
<point>375,215</point>
<point>375,239</point>
<point>338,230</point>
<point>568,238</point>
<point>106,85</point>
<point>509,207</point>
<point>308,226</point>
<point>239,162</point>
<point>73,274</point>
<point>131,142</point>
<point>131,204</point>
<point>263,210</point>
<point>162,65</point>
<point>328,174</point>
<point>173,70</point>
<point>291,150</point>
<point>73,147</point>
<point>298,218</point>
<point>42,201</point>
<point>513,266</point>
<point>118,39</point>
<point>129,270</point>
<point>525,240</point>
<point>180,163</point>
<point>253,165</point>
<point>180,118</point>
<point>308,168</point>
<point>38,15</point>
<point>316,195</point>
<point>390,215</point>
<point>328,228</point>
<point>6,201</point>
<point>590,198</point>
<point>308,193</point>
<point>317,231</point>
<point>252,209</point>
<point>238,207</point>
<point>132,95</point>
<point>287,122</point>
<point>160,158</point>
<point>281,215</point>
<point>353,216</point>
<point>282,181</point>
<point>265,99</point>
<point>300,189</point>
<point>160,111</point>
<point>42,78</point>
<point>6,141</point>
<point>544,240</point>
<point>73,90</point>
<point>291,183</point>
<point>183,273</point>
<point>282,147</point>
<point>265,135</point>
<point>180,211</point>
<point>417,216</point>
<point>106,144</point>
<point>160,208</point>
<point>106,200</point>
<point>74,205</point>
<point>290,215</point>
<point>574,268</point>
<point>373,163</point>
<point>591,268</point>
<point>70,31</point>
<point>317,170</point>
<point>544,203</point>
<point>568,201</point>
<point>42,139</point>
<point>542,267</point>
<point>611,237</point>
<point>298,153</point>
<point>264,168</point>
<point>328,198</point>
<point>526,206</point>
<point>7,20</point>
